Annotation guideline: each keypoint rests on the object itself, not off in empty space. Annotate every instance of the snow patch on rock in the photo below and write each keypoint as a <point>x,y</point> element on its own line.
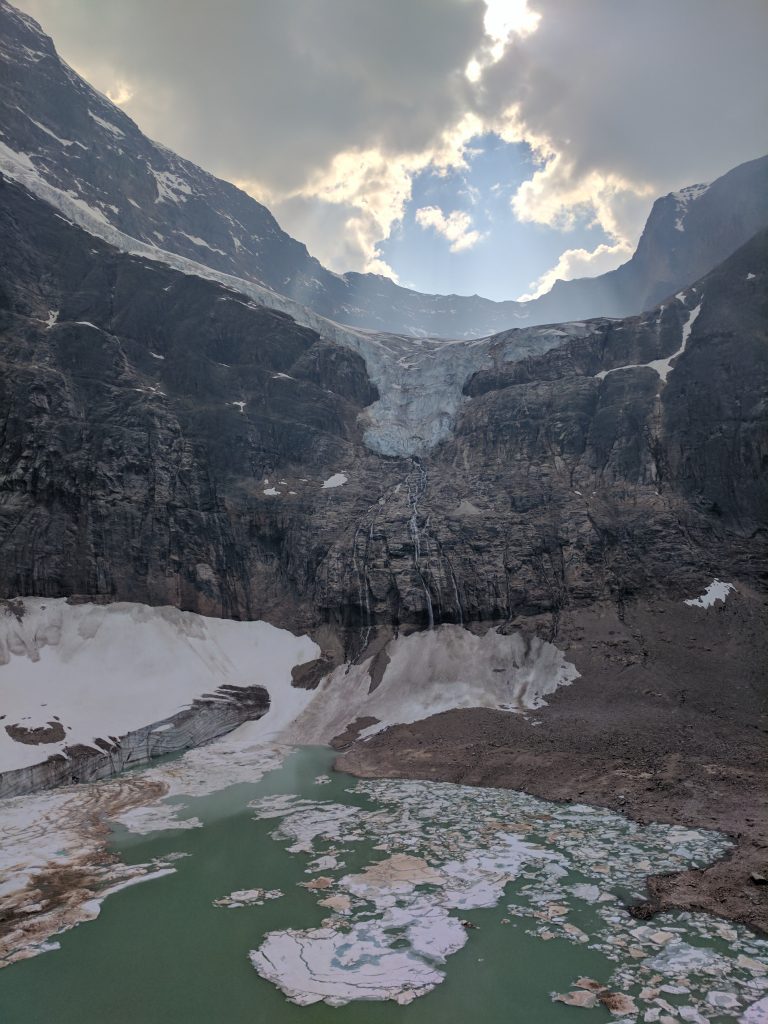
<point>661,366</point>
<point>716,591</point>
<point>337,480</point>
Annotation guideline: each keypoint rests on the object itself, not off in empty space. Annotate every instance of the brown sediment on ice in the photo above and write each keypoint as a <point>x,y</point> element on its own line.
<point>667,723</point>
<point>64,887</point>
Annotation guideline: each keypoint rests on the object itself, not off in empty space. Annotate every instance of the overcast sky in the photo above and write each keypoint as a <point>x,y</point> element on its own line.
<point>458,145</point>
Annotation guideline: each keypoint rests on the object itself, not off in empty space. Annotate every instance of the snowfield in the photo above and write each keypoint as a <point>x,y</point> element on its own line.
<point>454,669</point>
<point>86,671</point>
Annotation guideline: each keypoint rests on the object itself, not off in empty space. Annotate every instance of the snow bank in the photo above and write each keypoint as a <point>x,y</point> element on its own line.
<point>434,671</point>
<point>716,591</point>
<point>80,672</point>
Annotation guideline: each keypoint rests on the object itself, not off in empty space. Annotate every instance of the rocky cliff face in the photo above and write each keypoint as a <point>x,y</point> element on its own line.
<point>167,440</point>
<point>84,154</point>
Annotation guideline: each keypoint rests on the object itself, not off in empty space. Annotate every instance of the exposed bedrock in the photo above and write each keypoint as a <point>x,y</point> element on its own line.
<point>166,441</point>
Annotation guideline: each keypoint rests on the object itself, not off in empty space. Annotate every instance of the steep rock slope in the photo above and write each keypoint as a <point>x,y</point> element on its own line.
<point>91,156</point>
<point>166,440</point>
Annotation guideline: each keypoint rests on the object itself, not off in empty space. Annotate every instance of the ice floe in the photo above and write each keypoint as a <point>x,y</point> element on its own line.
<point>451,848</point>
<point>248,898</point>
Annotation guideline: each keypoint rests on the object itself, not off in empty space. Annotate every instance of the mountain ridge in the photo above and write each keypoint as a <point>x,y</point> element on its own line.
<point>141,188</point>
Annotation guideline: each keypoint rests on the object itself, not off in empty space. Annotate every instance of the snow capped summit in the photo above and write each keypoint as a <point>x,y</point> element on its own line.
<point>683,198</point>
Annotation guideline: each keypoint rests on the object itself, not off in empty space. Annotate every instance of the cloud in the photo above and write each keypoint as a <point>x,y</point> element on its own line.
<point>456,226</point>
<point>328,110</point>
<point>629,101</point>
<point>579,263</point>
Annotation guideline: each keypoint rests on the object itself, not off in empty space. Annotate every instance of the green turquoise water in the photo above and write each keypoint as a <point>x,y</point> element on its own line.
<point>160,953</point>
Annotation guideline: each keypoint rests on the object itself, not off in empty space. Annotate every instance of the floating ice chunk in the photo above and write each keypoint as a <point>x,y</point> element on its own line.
<point>53,316</point>
<point>336,967</point>
<point>723,1000</point>
<point>272,492</point>
<point>716,591</point>
<point>757,1013</point>
<point>690,1014</point>
<point>750,276</point>
<point>87,323</point>
<point>680,958</point>
<point>282,376</point>
<point>157,818</point>
<point>581,998</point>
<point>335,481</point>
<point>590,893</point>
<point>248,898</point>
<point>156,355</point>
<point>239,405</point>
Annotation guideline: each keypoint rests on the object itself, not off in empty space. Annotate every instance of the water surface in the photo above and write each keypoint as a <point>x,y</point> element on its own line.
<point>162,952</point>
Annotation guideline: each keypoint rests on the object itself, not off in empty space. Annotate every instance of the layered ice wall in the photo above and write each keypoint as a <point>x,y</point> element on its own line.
<point>74,674</point>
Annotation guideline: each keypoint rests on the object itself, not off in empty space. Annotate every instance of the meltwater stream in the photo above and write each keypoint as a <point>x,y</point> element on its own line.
<point>429,901</point>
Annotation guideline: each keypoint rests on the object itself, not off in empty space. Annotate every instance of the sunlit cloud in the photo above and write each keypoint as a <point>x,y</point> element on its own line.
<point>328,112</point>
<point>121,93</point>
<point>579,263</point>
<point>456,226</point>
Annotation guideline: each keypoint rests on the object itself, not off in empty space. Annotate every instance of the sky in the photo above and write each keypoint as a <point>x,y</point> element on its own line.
<point>468,146</point>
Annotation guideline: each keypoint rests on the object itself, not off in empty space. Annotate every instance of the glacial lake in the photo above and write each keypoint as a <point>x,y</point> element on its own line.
<point>484,903</point>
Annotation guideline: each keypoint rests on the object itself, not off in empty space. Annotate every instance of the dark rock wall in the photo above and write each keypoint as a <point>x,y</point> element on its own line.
<point>134,477</point>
